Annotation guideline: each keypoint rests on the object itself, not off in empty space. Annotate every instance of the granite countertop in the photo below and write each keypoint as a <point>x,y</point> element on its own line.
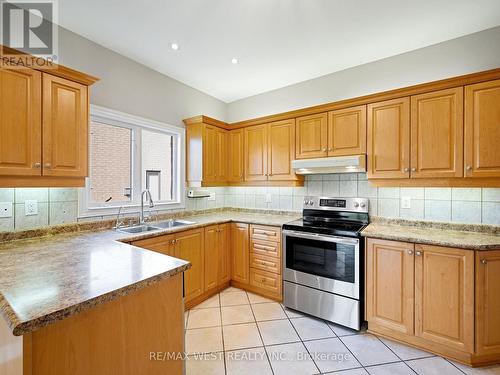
<point>473,237</point>
<point>46,279</point>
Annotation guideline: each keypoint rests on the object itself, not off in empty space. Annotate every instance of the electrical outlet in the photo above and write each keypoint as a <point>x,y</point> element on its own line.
<point>31,208</point>
<point>211,197</point>
<point>5,209</point>
<point>268,198</point>
<point>405,202</point>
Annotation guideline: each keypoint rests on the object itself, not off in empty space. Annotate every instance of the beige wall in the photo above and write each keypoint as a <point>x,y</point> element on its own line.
<point>468,54</point>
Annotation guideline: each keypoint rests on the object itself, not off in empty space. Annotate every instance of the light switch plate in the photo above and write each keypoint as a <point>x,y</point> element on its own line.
<point>405,202</point>
<point>268,198</point>
<point>211,197</point>
<point>5,209</point>
<point>30,208</point>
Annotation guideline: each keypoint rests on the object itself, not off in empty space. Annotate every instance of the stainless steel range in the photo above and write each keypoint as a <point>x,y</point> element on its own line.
<point>323,260</point>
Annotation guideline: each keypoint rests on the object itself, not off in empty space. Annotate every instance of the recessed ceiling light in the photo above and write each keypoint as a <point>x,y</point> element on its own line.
<point>174,46</point>
<point>234,60</point>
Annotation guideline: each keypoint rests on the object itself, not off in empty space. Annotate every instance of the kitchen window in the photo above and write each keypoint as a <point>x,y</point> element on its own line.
<point>128,154</point>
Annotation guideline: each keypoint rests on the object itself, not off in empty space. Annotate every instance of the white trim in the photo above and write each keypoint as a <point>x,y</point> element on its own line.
<point>117,118</point>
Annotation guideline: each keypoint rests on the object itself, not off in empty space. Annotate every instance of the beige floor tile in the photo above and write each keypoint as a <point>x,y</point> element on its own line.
<point>268,311</point>
<point>310,329</point>
<point>209,364</point>
<point>248,362</point>
<point>433,366</point>
<point>331,355</point>
<point>277,332</point>
<point>211,302</point>
<point>255,298</point>
<point>232,289</point>
<point>233,299</point>
<point>237,314</point>
<point>291,359</point>
<point>356,371</point>
<point>204,340</point>
<point>204,318</point>
<point>399,368</point>
<point>341,330</point>
<point>405,352</point>
<point>369,350</point>
<point>240,336</point>
<point>487,370</point>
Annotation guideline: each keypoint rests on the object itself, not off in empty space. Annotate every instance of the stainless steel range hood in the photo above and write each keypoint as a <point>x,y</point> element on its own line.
<point>336,164</point>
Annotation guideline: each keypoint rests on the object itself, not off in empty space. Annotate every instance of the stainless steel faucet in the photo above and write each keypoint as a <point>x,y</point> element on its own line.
<point>151,203</point>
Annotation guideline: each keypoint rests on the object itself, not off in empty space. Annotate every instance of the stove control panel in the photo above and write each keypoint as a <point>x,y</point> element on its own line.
<point>337,204</point>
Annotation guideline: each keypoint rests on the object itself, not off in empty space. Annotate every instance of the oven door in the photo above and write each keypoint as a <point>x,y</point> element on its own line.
<point>324,262</point>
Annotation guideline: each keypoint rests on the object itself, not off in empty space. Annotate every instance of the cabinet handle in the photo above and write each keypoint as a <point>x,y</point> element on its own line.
<point>413,169</point>
<point>37,165</point>
<point>324,149</point>
<point>47,165</point>
<point>406,170</point>
<point>263,280</point>
<point>330,149</point>
<point>484,261</point>
<point>410,252</point>
<point>418,253</point>
<point>468,168</point>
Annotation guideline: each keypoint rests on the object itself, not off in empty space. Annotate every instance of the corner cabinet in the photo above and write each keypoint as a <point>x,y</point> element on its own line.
<point>440,299</point>
<point>43,127</point>
<point>240,252</point>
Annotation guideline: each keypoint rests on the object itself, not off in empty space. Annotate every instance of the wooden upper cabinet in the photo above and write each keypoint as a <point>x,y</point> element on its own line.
<point>437,134</point>
<point>210,157</point>
<point>20,122</point>
<point>311,136</point>
<point>482,129</point>
<point>235,157</point>
<point>256,141</point>
<point>189,245</point>
<point>487,302</point>
<point>224,269</point>
<point>347,131</point>
<point>281,150</point>
<point>221,168</point>
<point>388,149</point>
<point>65,127</point>
<point>390,286</point>
<point>444,296</point>
<point>240,252</point>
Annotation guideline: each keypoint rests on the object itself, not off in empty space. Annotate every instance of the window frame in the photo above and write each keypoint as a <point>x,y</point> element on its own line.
<point>116,118</point>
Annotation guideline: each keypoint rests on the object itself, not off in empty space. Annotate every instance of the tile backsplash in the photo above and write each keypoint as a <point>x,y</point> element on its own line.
<point>461,205</point>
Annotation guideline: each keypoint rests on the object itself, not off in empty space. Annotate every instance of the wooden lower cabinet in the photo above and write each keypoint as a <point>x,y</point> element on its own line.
<point>240,254</point>
<point>266,281</point>
<point>212,254</point>
<point>444,300</point>
<point>224,266</point>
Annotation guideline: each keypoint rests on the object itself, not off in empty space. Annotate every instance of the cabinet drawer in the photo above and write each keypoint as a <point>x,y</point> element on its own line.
<point>262,232</point>
<point>266,280</point>
<point>266,248</point>
<point>265,263</point>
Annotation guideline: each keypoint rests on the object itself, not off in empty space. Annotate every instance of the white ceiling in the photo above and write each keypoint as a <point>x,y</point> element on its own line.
<point>278,42</point>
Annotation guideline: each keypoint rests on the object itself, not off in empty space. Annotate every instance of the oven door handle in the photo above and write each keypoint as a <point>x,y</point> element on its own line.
<point>321,237</point>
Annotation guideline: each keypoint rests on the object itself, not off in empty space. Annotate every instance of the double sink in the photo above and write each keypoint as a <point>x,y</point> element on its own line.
<point>149,227</point>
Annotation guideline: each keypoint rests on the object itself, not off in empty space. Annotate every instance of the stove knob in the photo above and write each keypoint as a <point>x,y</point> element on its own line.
<point>356,204</point>
<point>311,202</point>
<point>363,205</point>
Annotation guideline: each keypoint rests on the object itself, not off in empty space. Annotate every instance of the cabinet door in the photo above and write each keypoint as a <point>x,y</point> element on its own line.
<point>210,157</point>
<point>281,151</point>
<point>437,134</point>
<point>444,296</point>
<point>347,131</point>
<point>190,247</point>
<point>256,153</point>
<point>482,129</point>
<point>221,155</point>
<point>211,256</point>
<point>161,244</point>
<point>388,149</point>
<point>20,122</point>
<point>224,270</point>
<point>311,140</point>
<point>487,302</point>
<point>235,157</point>
<point>241,255</point>
<point>65,127</point>
<point>390,286</point>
